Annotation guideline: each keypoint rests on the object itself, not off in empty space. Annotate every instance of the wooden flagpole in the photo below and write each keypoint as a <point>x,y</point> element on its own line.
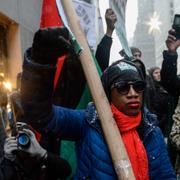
<point>116,147</point>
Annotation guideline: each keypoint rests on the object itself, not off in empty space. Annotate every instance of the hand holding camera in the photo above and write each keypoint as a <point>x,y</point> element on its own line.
<point>33,149</point>
<point>173,40</point>
<point>176,26</point>
<point>24,141</point>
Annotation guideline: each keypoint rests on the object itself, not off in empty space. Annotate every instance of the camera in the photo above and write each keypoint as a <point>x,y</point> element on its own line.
<point>176,25</point>
<point>23,140</point>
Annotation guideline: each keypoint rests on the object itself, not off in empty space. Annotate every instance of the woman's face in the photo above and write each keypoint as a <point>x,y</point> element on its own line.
<point>130,104</point>
<point>156,75</point>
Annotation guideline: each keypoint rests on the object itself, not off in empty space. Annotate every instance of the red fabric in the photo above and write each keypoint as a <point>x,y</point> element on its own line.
<point>49,18</point>
<point>135,148</point>
<point>37,134</point>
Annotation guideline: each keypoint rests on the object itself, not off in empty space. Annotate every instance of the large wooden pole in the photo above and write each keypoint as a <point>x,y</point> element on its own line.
<point>116,147</point>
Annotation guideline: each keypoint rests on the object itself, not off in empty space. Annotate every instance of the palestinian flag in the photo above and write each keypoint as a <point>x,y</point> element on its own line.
<point>50,18</point>
<point>70,88</point>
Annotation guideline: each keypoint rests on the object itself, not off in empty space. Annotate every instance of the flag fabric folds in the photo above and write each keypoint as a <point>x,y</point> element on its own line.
<point>119,7</point>
<point>52,15</point>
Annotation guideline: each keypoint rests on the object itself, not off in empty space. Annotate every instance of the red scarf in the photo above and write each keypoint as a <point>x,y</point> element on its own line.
<point>135,148</point>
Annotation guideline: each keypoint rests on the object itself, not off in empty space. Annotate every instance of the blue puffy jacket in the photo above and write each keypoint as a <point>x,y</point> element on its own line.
<point>82,126</point>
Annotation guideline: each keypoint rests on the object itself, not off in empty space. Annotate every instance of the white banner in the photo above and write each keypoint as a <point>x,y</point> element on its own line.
<point>86,14</point>
<point>119,7</point>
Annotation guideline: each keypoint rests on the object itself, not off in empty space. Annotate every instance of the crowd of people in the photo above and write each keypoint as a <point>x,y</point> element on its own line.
<point>145,105</point>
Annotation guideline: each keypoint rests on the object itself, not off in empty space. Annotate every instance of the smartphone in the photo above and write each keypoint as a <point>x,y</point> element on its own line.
<point>176,25</point>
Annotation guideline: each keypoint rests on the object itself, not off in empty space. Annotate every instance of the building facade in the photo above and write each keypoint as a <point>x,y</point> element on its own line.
<point>152,43</point>
<point>19,19</point>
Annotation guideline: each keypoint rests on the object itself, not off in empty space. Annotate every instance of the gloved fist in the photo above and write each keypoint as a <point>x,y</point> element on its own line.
<point>49,44</point>
<point>10,146</point>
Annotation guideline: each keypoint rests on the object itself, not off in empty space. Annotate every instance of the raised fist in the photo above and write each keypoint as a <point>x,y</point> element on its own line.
<point>49,44</point>
<point>111,19</point>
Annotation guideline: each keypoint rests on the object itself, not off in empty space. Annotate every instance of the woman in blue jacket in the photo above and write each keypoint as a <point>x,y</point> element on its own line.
<point>124,86</point>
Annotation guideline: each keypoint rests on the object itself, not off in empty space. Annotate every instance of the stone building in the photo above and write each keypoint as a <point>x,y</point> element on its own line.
<point>153,43</point>
<point>19,19</point>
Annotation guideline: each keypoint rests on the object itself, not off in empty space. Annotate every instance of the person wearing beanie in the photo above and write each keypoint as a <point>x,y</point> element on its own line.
<point>124,86</point>
<point>25,159</point>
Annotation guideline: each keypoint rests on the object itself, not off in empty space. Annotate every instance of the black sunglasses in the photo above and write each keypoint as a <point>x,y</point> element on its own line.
<point>123,87</point>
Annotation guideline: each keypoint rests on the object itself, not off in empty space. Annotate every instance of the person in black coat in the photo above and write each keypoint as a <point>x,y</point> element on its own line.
<point>170,79</point>
<point>159,100</point>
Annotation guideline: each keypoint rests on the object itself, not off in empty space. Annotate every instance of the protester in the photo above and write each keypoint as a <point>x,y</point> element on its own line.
<point>104,47</point>
<point>69,93</point>
<point>170,79</point>
<point>136,52</point>
<point>72,70</point>
<point>175,137</point>
<point>123,83</point>
<point>29,160</point>
<point>159,100</point>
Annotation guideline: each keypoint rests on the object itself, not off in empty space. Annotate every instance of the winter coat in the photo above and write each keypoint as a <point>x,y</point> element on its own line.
<point>175,136</point>
<point>159,103</point>
<point>169,78</point>
<point>171,82</point>
<point>28,168</point>
<point>93,158</point>
<point>103,52</point>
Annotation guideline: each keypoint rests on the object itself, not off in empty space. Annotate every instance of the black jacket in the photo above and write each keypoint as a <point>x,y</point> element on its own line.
<point>103,52</point>
<point>169,77</point>
<point>25,168</point>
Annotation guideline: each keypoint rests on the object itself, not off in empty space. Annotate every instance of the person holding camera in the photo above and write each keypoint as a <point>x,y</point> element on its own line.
<point>170,79</point>
<point>171,82</point>
<point>24,158</point>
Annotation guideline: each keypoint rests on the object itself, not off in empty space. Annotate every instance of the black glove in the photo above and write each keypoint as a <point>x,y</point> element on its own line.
<point>49,44</point>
